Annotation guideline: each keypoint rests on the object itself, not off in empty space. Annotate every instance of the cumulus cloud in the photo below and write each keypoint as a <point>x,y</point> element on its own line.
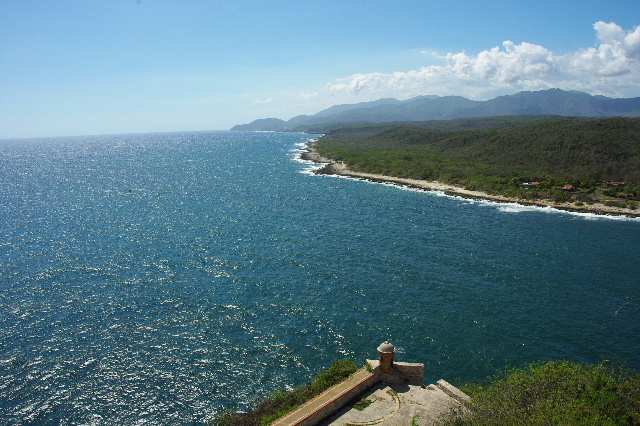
<point>610,68</point>
<point>524,62</point>
<point>616,55</point>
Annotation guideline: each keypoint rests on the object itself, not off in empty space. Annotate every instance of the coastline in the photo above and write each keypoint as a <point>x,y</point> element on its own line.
<point>338,168</point>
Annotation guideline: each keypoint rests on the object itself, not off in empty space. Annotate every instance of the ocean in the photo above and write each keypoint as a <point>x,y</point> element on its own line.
<point>159,279</point>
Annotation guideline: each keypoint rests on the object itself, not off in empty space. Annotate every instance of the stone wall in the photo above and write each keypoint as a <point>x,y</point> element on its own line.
<point>336,403</point>
<point>414,372</point>
<point>330,403</point>
<point>405,372</point>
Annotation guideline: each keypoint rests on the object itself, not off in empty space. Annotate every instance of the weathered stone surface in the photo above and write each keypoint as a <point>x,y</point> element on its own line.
<point>400,405</point>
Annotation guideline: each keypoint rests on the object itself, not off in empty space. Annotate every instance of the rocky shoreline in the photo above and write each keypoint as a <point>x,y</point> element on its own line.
<point>337,168</point>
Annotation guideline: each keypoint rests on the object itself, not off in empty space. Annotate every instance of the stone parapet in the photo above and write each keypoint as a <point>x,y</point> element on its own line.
<point>329,401</point>
<point>414,372</point>
<point>453,391</point>
<point>399,373</point>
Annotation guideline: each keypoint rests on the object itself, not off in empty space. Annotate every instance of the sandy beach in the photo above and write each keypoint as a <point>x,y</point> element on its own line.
<point>337,168</point>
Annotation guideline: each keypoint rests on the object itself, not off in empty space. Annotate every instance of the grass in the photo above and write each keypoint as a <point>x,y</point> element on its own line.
<point>283,402</point>
<point>362,404</point>
<point>414,421</point>
<point>556,393</point>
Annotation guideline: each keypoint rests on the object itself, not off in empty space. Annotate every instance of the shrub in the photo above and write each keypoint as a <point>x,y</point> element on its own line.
<point>612,192</point>
<point>612,203</point>
<point>557,393</point>
<point>362,404</point>
<point>583,197</point>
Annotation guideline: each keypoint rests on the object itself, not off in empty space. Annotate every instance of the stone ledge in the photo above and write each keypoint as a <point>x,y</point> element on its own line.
<point>453,391</point>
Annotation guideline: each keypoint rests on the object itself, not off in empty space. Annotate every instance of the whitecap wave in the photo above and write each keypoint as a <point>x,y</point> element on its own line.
<point>506,207</point>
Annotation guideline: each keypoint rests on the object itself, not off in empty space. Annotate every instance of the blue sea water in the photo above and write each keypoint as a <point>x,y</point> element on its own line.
<point>158,279</point>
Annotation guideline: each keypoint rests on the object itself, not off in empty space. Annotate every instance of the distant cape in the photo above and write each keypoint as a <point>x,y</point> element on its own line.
<point>424,108</point>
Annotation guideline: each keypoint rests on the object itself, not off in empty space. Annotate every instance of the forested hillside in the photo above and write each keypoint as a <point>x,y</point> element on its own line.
<point>568,158</point>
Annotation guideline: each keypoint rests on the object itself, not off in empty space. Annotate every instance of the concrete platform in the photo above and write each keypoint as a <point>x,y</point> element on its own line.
<point>402,405</point>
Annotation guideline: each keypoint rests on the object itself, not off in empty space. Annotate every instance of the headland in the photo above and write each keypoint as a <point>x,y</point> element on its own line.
<point>338,168</point>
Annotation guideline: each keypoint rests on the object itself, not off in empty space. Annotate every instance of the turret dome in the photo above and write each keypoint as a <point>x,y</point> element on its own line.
<point>386,348</point>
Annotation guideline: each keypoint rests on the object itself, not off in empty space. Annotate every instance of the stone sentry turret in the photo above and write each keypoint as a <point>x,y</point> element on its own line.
<point>386,352</point>
<point>390,371</point>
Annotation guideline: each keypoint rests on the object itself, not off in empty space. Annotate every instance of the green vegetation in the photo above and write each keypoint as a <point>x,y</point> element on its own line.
<point>363,130</point>
<point>570,159</point>
<point>414,421</point>
<point>362,404</point>
<point>283,402</point>
<point>556,393</point>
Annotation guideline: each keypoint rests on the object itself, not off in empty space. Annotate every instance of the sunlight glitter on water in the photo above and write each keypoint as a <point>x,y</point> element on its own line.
<point>164,278</point>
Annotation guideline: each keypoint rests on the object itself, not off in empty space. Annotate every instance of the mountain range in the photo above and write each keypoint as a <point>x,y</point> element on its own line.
<point>424,108</point>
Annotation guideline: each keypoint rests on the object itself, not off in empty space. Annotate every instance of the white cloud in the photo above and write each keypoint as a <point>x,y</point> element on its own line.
<point>433,53</point>
<point>610,68</point>
<point>524,62</point>
<point>617,54</point>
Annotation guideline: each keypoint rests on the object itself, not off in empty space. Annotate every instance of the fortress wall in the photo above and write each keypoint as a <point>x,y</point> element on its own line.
<point>332,404</point>
<point>410,372</point>
<point>414,372</point>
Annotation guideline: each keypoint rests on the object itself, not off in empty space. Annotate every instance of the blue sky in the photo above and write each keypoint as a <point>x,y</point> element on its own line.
<point>73,67</point>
